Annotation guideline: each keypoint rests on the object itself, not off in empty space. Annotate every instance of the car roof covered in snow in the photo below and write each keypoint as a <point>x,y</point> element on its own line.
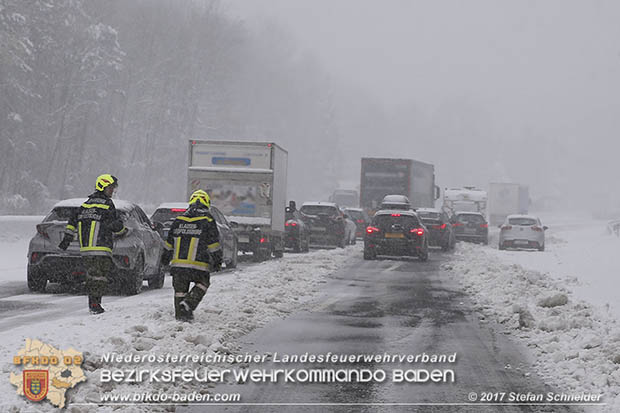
<point>395,199</point>
<point>469,213</point>
<point>353,209</point>
<point>76,202</point>
<point>321,203</point>
<point>170,205</point>
<point>522,216</point>
<point>407,212</point>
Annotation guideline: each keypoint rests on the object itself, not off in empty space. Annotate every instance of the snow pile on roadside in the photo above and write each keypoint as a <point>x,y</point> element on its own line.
<point>576,347</point>
<point>236,303</point>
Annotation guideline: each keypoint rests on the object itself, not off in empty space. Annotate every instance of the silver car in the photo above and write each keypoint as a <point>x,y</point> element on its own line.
<point>136,256</point>
<point>522,231</point>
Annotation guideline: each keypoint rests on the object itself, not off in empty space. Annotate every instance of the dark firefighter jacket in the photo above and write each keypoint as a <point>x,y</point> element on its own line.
<point>96,223</point>
<point>193,241</point>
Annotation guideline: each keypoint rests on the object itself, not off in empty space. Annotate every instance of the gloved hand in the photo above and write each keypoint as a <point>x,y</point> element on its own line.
<point>64,244</point>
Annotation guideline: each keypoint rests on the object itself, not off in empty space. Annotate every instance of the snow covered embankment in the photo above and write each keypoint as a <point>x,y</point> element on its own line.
<point>576,347</point>
<point>236,303</point>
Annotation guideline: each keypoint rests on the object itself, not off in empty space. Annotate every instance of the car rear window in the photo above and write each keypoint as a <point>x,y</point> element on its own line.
<point>522,221</point>
<point>470,218</point>
<point>60,214</point>
<point>355,214</point>
<point>319,210</point>
<point>386,221</point>
<point>167,214</point>
<point>428,215</point>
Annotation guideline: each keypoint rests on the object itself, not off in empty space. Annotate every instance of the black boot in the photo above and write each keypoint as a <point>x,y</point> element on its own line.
<point>185,312</point>
<point>94,305</point>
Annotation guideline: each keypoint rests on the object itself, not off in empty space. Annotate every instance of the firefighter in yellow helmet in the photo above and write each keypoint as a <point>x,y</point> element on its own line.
<point>193,250</point>
<point>96,224</point>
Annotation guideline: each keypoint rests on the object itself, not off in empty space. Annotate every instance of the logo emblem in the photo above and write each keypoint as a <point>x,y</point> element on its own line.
<point>36,384</point>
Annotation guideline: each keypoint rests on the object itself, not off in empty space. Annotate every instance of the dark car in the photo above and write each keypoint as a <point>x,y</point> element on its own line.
<point>164,216</point>
<point>396,233</point>
<point>136,256</point>
<point>439,228</point>
<point>361,219</point>
<point>326,222</point>
<point>296,232</point>
<point>470,226</point>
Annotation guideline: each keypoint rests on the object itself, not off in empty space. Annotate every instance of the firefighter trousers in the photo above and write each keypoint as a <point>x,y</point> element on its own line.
<point>181,280</point>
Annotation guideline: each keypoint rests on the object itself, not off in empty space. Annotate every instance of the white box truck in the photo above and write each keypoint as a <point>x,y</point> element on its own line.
<point>467,198</point>
<point>506,199</point>
<point>247,182</point>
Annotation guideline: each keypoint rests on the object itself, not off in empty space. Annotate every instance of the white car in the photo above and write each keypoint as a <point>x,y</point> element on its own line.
<point>522,231</point>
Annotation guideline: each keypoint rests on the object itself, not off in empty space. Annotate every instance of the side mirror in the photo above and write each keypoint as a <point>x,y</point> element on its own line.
<point>545,227</point>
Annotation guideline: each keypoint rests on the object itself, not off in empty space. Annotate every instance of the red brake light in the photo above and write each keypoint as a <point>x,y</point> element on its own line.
<point>42,231</point>
<point>126,260</point>
<point>263,240</point>
<point>419,231</point>
<point>370,230</point>
<point>484,225</point>
<point>178,210</point>
<point>395,215</point>
<point>442,226</point>
<point>193,142</point>
<point>537,229</point>
<point>457,224</point>
<point>506,227</point>
<point>35,257</point>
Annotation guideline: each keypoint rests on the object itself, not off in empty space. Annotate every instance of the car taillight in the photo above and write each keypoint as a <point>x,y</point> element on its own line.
<point>42,231</point>
<point>537,229</point>
<point>34,257</point>
<point>290,224</point>
<point>178,210</point>
<point>505,227</point>
<point>457,224</point>
<point>126,260</point>
<point>371,230</point>
<point>484,225</point>
<point>442,226</point>
<point>419,231</point>
<point>263,240</point>
<point>395,215</point>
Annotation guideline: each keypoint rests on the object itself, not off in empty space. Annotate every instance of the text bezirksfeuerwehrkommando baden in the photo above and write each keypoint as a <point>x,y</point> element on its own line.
<point>329,358</point>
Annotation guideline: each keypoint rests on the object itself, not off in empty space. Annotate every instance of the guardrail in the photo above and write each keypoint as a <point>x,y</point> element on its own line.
<point>613,227</point>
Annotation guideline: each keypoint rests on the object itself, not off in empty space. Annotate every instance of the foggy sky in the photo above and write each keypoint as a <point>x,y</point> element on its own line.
<point>529,87</point>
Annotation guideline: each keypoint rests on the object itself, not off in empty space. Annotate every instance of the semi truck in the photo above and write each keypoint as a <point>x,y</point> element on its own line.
<point>506,199</point>
<point>389,176</point>
<point>247,182</point>
<point>467,198</point>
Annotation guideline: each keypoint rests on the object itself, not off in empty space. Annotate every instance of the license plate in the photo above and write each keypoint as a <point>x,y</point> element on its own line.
<point>394,235</point>
<point>244,238</point>
<point>470,230</point>
<point>521,242</point>
<point>318,229</point>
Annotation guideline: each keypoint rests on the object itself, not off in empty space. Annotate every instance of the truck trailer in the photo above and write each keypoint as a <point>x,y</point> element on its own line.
<point>506,199</point>
<point>388,176</point>
<point>247,182</point>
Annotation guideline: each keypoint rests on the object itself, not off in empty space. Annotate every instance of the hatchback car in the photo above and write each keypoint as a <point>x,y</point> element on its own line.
<point>396,233</point>
<point>470,226</point>
<point>136,256</point>
<point>296,231</point>
<point>522,231</point>
<point>326,222</point>
<point>361,219</point>
<point>399,202</point>
<point>439,228</point>
<point>164,216</point>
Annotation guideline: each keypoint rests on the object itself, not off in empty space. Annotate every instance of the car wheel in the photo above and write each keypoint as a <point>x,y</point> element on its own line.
<point>307,244</point>
<point>299,245</point>
<point>486,241</point>
<point>541,248</point>
<point>135,277</point>
<point>501,246</point>
<point>278,253</point>
<point>369,255</point>
<point>235,256</point>
<point>36,281</point>
<point>157,280</point>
